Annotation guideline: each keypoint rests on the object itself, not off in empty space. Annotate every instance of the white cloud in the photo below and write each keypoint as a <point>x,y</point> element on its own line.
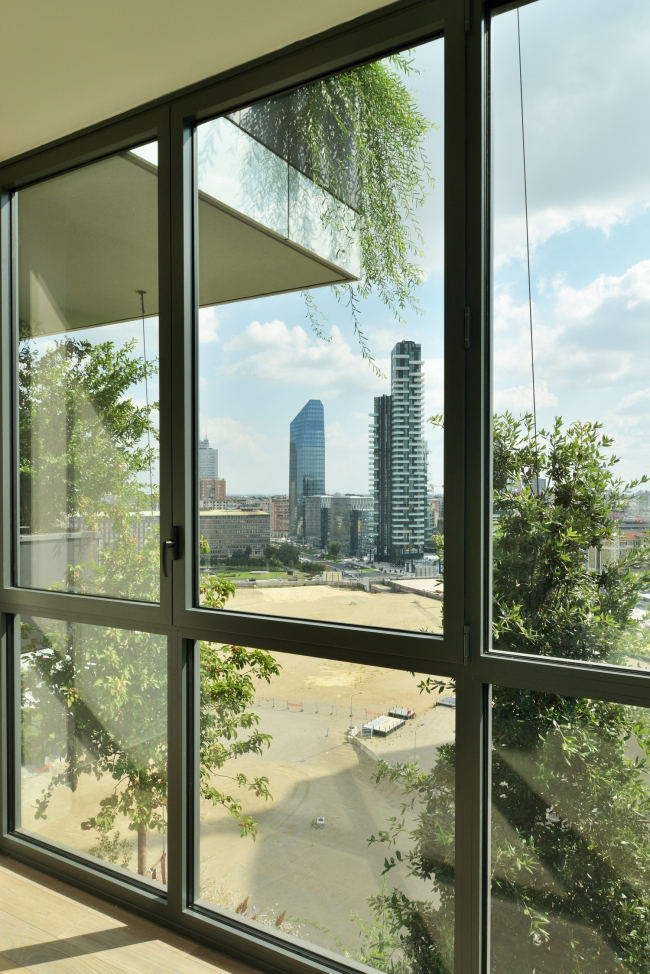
<point>208,326</point>
<point>622,294</point>
<point>519,399</point>
<point>245,453</point>
<point>586,68</point>
<point>279,355</point>
<point>589,336</point>
<point>638,402</point>
<point>434,386</point>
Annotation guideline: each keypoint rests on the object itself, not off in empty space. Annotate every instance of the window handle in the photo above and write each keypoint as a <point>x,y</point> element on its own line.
<point>174,546</point>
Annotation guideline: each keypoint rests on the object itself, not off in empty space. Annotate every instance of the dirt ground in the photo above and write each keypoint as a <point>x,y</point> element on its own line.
<point>391,610</point>
<point>321,877</point>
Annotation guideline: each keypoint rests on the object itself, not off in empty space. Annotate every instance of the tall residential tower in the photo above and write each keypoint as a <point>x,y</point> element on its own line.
<point>306,462</point>
<point>399,461</point>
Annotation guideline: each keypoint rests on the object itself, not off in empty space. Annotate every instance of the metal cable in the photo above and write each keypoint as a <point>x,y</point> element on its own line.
<point>530,297</point>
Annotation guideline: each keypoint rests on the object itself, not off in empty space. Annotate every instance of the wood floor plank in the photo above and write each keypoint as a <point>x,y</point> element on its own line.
<point>27,947</point>
<point>10,965</point>
<point>54,914</point>
<point>47,927</point>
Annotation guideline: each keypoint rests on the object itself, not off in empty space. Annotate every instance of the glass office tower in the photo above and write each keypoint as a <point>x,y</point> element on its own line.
<point>306,462</point>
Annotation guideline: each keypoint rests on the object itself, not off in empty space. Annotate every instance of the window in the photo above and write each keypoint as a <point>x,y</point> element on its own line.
<point>570,346</point>
<point>320,349</point>
<point>240,471</point>
<point>94,741</point>
<point>87,363</point>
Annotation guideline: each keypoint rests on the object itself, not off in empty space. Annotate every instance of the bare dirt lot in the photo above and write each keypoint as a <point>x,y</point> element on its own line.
<point>321,877</point>
<point>392,610</point>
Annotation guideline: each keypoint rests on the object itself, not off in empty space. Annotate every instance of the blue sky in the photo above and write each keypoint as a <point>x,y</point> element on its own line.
<point>586,77</point>
<point>260,361</point>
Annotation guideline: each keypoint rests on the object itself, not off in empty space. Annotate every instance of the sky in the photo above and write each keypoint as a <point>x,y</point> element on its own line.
<point>260,361</point>
<point>586,77</point>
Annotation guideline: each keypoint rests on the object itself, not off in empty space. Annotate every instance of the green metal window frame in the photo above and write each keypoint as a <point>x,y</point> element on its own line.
<point>463,651</point>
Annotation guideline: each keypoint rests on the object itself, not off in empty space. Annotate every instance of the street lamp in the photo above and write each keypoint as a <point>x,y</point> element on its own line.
<point>358,694</point>
<point>415,742</point>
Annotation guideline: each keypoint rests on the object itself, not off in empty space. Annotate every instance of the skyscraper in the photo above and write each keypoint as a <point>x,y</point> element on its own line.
<point>380,478</point>
<point>306,462</point>
<point>208,461</point>
<point>399,460</point>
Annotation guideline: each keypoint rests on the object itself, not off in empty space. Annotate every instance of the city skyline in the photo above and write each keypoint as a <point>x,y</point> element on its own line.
<point>261,359</point>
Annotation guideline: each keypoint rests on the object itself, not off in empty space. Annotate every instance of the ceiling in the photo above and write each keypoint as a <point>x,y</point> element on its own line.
<point>67,64</point>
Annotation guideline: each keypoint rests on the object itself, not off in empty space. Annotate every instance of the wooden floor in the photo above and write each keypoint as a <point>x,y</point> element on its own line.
<point>50,928</point>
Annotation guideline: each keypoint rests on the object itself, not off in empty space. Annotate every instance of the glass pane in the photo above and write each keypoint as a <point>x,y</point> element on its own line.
<point>571,502</point>
<point>94,742</point>
<point>87,361</point>
<point>343,775</point>
<point>570,835</point>
<point>320,336</point>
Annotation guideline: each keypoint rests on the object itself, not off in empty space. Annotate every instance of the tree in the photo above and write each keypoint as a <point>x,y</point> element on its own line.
<point>363,134</point>
<point>84,453</point>
<point>334,549</point>
<point>96,696</point>
<point>570,853</point>
<point>359,137</point>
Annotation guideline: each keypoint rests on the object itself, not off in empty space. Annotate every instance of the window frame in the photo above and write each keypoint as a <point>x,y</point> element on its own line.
<point>171,121</point>
<point>463,651</point>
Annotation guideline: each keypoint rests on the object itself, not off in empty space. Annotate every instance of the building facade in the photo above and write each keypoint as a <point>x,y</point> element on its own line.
<point>400,518</point>
<point>280,516</point>
<point>338,517</point>
<point>380,475</point>
<point>212,494</point>
<point>230,531</point>
<point>306,462</point>
<point>208,461</point>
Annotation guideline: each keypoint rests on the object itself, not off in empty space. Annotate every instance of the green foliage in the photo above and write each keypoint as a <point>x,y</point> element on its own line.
<point>546,599</point>
<point>228,728</point>
<point>94,696</point>
<point>81,437</point>
<point>334,549</point>
<point>112,848</point>
<point>365,141</point>
<point>359,137</point>
<point>419,933</point>
<point>82,456</point>
<point>570,891</point>
<point>571,802</point>
<point>101,694</point>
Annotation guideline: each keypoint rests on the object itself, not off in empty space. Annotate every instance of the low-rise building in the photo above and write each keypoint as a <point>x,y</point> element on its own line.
<point>212,494</point>
<point>230,531</point>
<point>280,516</point>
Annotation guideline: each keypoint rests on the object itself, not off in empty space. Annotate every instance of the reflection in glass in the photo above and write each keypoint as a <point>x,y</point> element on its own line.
<point>570,835</point>
<point>324,764</point>
<point>87,273</point>
<point>94,742</point>
<point>320,381</point>
<point>571,343</point>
